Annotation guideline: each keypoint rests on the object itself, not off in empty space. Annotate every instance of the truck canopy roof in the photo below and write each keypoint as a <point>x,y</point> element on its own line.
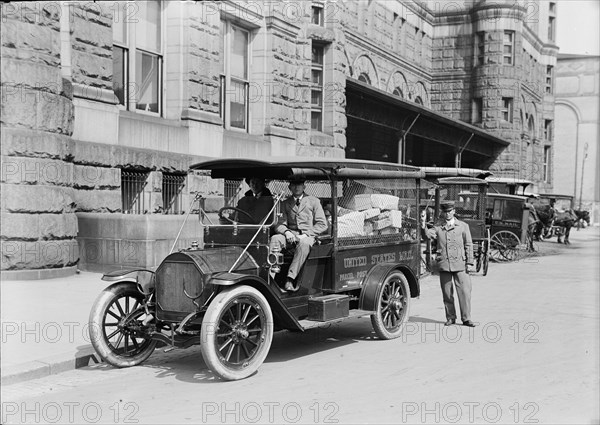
<point>309,168</point>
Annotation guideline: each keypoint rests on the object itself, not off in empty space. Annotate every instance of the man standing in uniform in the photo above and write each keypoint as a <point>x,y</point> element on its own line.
<point>302,219</point>
<point>454,256</point>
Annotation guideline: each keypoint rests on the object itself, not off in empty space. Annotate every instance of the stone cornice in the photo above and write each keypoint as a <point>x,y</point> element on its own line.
<point>286,133</point>
<point>240,15</point>
<point>275,22</point>
<point>96,94</point>
<point>201,116</point>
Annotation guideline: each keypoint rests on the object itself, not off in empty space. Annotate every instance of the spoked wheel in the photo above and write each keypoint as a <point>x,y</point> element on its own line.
<point>393,305</point>
<point>237,331</point>
<point>505,246</point>
<point>116,329</point>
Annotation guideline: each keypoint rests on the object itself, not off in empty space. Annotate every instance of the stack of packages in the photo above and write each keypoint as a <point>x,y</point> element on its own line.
<point>370,215</point>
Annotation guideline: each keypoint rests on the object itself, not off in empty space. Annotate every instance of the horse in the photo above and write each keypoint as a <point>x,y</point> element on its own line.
<point>583,218</point>
<point>543,228</point>
<point>550,217</point>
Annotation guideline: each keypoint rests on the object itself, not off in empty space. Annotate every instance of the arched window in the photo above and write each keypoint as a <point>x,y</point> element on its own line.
<point>398,92</point>
<point>364,77</point>
<point>531,127</point>
<point>418,100</point>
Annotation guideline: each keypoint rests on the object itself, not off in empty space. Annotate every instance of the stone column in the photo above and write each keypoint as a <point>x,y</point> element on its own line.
<point>39,225</point>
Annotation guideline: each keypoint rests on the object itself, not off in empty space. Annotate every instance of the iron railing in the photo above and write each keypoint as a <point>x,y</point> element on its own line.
<point>133,197</point>
<point>172,186</point>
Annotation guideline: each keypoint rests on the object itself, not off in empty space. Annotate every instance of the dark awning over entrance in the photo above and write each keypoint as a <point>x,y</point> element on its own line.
<point>385,127</point>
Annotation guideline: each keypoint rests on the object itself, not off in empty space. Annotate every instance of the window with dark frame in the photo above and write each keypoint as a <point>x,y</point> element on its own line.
<point>316,92</point>
<point>546,167</point>
<point>133,200</point>
<point>551,21</point>
<point>508,51</point>
<point>478,110</point>
<point>138,59</point>
<point>480,44</point>
<point>507,109</point>
<point>317,15</point>
<point>234,79</point>
<point>548,130</point>
<point>549,79</point>
<point>172,186</point>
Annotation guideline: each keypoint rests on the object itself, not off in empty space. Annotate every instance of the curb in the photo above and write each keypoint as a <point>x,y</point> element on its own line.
<point>52,365</point>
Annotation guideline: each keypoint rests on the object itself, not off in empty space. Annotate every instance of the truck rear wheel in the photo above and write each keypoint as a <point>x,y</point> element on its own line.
<point>393,305</point>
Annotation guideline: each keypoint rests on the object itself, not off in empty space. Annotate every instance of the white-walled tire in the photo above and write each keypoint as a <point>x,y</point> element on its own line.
<point>237,331</point>
<point>115,326</point>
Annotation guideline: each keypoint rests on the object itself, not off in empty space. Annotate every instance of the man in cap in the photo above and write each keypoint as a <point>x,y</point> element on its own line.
<point>454,255</point>
<point>257,201</point>
<point>302,219</point>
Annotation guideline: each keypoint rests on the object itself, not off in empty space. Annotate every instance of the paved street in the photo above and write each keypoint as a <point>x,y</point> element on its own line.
<point>532,359</point>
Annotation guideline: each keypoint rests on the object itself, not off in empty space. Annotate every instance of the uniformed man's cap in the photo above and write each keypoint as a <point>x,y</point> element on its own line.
<point>447,206</point>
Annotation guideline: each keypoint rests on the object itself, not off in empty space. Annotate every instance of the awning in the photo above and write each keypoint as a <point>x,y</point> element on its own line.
<point>413,119</point>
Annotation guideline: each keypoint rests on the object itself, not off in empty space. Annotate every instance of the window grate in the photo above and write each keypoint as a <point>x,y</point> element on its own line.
<point>133,197</point>
<point>172,186</point>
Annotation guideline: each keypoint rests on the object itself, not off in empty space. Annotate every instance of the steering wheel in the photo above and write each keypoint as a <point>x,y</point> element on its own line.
<point>234,209</point>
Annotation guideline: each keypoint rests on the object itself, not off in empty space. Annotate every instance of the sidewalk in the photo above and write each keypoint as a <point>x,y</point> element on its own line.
<point>44,326</point>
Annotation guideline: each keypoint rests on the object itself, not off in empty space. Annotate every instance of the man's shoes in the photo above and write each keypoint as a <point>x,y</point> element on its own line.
<point>450,322</point>
<point>279,288</point>
<point>469,323</point>
<point>290,287</point>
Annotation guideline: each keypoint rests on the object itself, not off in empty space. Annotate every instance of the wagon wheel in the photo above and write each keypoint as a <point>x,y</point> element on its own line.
<point>237,331</point>
<point>225,214</point>
<point>505,246</point>
<point>117,331</point>
<point>393,305</point>
<point>486,253</point>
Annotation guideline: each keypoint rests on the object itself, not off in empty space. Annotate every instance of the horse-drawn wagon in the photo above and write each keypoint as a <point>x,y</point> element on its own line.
<point>511,220</point>
<point>556,215</point>
<point>468,189</point>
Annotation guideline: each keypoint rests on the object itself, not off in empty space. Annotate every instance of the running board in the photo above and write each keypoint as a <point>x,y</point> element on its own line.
<point>309,324</point>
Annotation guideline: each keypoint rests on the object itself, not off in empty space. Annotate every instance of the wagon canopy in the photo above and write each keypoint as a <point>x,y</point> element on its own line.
<point>309,168</point>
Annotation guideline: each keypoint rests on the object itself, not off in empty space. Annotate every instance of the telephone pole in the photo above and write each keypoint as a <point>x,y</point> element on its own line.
<point>585,148</point>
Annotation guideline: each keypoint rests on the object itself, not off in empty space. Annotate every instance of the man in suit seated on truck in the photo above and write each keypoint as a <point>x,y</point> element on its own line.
<point>256,202</point>
<point>301,221</point>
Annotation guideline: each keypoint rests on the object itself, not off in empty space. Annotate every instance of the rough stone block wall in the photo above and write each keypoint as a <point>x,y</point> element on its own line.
<point>289,91</point>
<point>37,206</point>
<point>92,43</point>
<point>204,60</point>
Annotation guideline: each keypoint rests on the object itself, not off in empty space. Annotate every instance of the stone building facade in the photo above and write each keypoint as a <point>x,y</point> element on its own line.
<point>105,106</point>
<point>576,170</point>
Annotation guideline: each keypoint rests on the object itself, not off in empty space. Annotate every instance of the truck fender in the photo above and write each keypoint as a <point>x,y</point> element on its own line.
<point>281,315</point>
<point>374,279</point>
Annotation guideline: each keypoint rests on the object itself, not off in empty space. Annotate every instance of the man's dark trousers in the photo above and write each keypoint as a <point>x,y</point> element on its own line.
<point>462,281</point>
